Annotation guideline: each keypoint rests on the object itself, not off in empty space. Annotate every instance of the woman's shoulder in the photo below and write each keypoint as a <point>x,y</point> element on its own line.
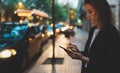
<point>111,31</point>
<point>110,28</point>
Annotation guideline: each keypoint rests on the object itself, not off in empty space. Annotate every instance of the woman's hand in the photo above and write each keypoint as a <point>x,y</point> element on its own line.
<point>74,53</point>
<point>73,47</point>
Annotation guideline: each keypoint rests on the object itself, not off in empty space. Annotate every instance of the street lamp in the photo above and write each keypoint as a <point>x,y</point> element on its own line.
<point>72,14</point>
<point>119,16</point>
<point>0,15</point>
<point>53,38</point>
<point>20,5</point>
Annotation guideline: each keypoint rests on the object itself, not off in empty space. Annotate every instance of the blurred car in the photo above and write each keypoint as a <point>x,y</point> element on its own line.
<point>19,44</point>
<point>70,31</point>
<point>48,30</point>
<point>66,29</point>
<point>44,33</point>
<point>61,27</point>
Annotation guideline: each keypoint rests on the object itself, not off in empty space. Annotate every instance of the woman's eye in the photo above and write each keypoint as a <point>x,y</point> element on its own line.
<point>90,12</point>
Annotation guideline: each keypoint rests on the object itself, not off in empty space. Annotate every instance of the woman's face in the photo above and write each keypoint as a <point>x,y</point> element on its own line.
<point>91,14</point>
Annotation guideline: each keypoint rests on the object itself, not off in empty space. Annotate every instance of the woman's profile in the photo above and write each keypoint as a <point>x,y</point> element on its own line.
<point>102,49</point>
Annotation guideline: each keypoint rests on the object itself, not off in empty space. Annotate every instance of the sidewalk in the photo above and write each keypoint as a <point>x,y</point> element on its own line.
<point>63,64</point>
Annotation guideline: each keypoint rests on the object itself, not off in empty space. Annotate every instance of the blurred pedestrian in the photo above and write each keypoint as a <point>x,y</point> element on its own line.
<point>102,50</point>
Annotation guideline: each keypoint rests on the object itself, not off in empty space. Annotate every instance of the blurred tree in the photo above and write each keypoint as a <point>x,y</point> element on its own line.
<point>61,13</point>
<point>44,5</point>
<point>8,7</point>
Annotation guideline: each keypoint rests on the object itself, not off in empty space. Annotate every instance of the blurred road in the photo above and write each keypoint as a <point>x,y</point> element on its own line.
<point>62,63</point>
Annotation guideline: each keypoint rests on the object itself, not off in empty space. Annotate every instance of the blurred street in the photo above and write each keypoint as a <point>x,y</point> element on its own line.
<point>63,63</point>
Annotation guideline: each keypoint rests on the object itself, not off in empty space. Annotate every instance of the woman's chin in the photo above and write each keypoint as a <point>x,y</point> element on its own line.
<point>93,25</point>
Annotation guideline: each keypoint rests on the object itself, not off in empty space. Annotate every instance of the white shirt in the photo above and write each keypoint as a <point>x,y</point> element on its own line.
<point>96,31</point>
<point>94,35</point>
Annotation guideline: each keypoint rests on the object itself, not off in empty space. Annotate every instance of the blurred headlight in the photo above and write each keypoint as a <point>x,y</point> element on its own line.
<point>30,39</point>
<point>71,27</point>
<point>57,30</point>
<point>64,28</point>
<point>7,53</point>
<point>50,33</point>
<point>43,35</point>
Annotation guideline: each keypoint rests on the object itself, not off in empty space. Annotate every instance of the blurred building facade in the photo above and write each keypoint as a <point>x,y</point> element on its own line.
<point>115,7</point>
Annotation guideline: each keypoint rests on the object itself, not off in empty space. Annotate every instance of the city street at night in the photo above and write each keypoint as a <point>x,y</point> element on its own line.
<point>49,36</point>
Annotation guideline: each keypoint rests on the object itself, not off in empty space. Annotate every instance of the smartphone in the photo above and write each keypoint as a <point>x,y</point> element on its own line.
<point>64,48</point>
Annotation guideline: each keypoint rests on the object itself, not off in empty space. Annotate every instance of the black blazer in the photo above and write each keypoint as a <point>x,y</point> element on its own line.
<point>104,52</point>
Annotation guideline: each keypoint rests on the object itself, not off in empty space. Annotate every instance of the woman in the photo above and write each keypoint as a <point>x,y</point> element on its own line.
<point>102,50</point>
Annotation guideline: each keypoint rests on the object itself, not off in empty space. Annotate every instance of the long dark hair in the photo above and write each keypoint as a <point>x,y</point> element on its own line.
<point>103,10</point>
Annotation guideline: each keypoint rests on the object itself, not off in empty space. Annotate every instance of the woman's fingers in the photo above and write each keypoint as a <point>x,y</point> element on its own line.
<point>72,47</point>
<point>70,44</point>
<point>72,54</point>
